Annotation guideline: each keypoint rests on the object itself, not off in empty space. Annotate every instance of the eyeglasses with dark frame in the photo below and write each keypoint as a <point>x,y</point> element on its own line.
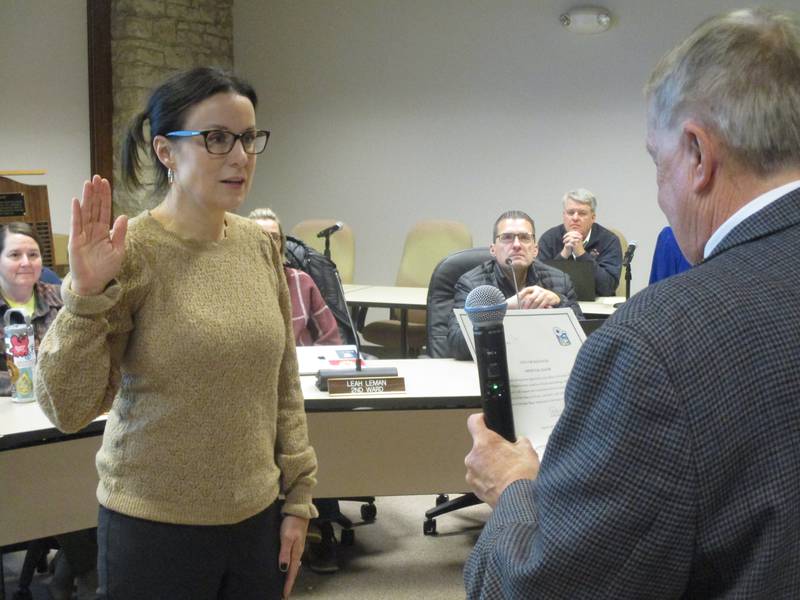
<point>508,238</point>
<point>219,141</point>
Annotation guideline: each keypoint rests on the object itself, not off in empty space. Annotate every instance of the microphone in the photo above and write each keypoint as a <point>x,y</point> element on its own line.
<point>330,230</point>
<point>514,279</point>
<point>626,260</point>
<point>324,374</point>
<point>486,307</point>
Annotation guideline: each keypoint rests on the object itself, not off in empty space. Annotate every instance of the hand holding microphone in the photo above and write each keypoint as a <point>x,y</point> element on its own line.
<point>494,463</point>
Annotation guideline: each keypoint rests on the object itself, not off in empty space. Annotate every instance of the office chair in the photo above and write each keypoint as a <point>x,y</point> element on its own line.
<point>343,245</point>
<point>368,514</point>
<point>426,244</point>
<point>35,560</point>
<point>441,290</point>
<point>624,243</point>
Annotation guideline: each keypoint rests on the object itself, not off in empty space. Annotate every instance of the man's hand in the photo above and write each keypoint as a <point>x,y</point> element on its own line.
<point>494,463</point>
<point>573,244</point>
<point>534,296</point>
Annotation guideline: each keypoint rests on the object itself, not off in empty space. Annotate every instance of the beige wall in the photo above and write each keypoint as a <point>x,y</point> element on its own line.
<point>44,98</point>
<point>384,112</point>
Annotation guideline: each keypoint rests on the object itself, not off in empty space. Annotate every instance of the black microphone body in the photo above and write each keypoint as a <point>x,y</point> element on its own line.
<point>626,260</point>
<point>626,264</point>
<point>486,308</point>
<point>490,350</point>
<point>330,230</point>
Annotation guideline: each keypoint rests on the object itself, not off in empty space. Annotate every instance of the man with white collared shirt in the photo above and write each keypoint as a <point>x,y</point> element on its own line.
<point>674,470</point>
<point>581,238</point>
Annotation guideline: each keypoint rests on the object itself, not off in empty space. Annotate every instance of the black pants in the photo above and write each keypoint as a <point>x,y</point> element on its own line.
<point>160,561</point>
<point>80,549</point>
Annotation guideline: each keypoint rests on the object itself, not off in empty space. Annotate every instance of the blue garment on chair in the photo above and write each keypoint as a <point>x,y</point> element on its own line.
<point>49,276</point>
<point>667,259</point>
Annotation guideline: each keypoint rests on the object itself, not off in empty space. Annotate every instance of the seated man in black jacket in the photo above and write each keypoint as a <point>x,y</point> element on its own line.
<point>581,238</point>
<point>514,249</point>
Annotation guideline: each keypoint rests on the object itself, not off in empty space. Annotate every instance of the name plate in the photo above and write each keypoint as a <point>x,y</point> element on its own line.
<point>366,385</point>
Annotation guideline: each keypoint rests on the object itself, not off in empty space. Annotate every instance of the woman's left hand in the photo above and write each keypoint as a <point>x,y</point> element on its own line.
<point>293,542</point>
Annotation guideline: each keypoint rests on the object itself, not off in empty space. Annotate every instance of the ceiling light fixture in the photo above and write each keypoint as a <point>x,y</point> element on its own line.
<point>586,20</point>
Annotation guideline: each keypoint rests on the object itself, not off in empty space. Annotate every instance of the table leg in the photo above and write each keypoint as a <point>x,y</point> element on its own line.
<point>404,332</point>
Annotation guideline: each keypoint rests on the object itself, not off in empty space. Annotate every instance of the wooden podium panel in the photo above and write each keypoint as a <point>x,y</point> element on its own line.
<point>28,204</point>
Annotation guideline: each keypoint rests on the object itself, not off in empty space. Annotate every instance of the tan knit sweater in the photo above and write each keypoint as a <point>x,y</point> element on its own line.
<point>191,350</point>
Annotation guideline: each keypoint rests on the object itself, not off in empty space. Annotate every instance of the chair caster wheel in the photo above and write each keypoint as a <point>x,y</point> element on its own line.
<point>368,512</point>
<point>429,527</point>
<point>441,499</point>
<point>348,537</point>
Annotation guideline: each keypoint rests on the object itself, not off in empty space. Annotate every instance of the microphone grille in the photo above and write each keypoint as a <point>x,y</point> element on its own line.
<point>485,304</point>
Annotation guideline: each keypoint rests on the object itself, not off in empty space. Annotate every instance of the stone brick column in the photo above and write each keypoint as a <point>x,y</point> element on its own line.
<point>151,40</point>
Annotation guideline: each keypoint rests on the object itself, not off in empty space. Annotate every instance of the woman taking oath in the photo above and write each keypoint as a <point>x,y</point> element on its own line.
<point>179,324</point>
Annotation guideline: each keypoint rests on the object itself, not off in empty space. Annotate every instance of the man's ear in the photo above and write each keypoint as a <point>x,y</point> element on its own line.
<point>491,250</point>
<point>164,151</point>
<point>703,153</point>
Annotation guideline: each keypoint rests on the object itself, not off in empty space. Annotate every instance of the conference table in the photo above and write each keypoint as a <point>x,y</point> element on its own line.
<point>400,443</point>
<point>388,296</point>
<point>405,298</point>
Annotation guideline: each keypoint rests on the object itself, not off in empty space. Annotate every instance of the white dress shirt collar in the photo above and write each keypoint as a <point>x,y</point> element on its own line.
<point>748,209</point>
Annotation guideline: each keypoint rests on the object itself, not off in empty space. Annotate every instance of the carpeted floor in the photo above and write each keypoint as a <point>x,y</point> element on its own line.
<point>390,560</point>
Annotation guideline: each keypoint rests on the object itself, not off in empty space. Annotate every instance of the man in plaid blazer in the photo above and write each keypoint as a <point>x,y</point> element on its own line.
<point>674,471</point>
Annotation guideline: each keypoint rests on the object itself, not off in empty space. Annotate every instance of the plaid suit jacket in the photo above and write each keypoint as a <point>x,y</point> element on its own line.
<point>674,471</point>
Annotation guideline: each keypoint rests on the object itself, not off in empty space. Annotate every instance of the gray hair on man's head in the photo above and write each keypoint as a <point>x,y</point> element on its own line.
<point>582,196</point>
<point>738,74</point>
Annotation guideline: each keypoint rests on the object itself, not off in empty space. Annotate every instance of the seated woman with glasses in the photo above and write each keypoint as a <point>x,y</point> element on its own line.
<point>312,321</point>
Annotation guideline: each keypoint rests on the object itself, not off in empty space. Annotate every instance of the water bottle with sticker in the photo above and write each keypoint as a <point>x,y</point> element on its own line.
<point>20,354</point>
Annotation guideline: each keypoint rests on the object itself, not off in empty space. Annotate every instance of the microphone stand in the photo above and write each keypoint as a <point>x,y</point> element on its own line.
<point>509,262</point>
<point>349,320</point>
<point>626,262</point>
<point>327,251</point>
<point>324,374</point>
<point>627,266</point>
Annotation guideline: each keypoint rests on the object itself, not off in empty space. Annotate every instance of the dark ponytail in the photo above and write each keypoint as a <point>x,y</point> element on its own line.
<point>166,111</point>
<point>134,139</point>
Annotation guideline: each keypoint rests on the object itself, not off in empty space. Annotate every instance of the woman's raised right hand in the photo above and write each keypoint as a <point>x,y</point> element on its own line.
<point>95,252</point>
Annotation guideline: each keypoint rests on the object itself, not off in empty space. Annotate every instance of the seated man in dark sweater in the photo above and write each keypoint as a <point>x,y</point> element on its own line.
<point>580,238</point>
<point>514,250</point>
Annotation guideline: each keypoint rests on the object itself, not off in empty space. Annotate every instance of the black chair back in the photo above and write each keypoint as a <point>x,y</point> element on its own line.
<point>441,290</point>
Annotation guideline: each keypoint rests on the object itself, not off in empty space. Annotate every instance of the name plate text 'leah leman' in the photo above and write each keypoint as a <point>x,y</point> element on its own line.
<point>366,385</point>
